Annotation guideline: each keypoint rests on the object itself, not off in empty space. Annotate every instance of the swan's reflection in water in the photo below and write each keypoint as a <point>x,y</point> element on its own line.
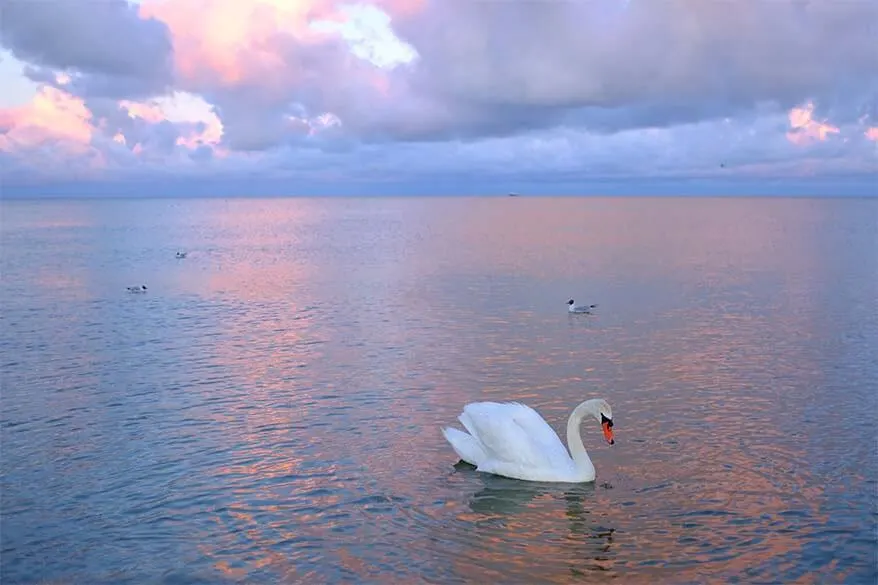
<point>527,517</point>
<point>501,495</point>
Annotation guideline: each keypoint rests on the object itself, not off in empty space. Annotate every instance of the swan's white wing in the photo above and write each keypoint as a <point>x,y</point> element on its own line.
<point>515,433</point>
<point>466,446</point>
<point>542,434</point>
<point>502,439</point>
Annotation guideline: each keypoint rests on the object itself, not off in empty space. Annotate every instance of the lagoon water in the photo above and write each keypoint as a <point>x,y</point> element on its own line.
<point>270,410</point>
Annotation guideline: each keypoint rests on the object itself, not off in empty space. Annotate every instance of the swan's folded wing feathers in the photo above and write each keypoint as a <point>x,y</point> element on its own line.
<point>511,432</point>
<point>467,424</point>
<point>542,435</point>
<point>506,441</point>
<point>466,446</point>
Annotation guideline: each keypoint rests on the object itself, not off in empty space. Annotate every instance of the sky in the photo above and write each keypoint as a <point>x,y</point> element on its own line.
<point>297,97</point>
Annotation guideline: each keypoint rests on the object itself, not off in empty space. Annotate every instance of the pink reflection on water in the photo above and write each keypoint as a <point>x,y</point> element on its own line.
<point>599,237</point>
<point>690,437</point>
<point>251,251</point>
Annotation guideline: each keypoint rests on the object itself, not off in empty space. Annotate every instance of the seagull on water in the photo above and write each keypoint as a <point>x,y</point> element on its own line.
<point>572,307</point>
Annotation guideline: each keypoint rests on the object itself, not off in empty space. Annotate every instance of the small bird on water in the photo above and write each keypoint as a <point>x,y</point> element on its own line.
<point>574,308</point>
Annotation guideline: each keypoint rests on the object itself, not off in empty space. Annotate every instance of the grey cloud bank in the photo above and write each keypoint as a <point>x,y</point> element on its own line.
<point>567,93</point>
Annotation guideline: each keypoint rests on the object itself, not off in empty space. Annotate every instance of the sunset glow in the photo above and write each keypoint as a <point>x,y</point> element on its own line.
<point>486,93</point>
<point>52,116</point>
<point>235,41</point>
<point>805,129</point>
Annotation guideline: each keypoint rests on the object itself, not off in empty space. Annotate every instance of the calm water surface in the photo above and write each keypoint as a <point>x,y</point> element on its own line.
<point>270,410</point>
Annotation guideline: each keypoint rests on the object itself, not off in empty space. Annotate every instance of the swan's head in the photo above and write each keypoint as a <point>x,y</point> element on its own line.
<point>604,414</point>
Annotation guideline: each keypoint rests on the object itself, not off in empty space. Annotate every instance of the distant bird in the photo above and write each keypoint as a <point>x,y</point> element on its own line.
<point>137,289</point>
<point>572,307</point>
<point>181,254</point>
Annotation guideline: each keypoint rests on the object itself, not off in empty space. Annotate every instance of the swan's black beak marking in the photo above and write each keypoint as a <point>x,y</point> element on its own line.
<point>607,426</point>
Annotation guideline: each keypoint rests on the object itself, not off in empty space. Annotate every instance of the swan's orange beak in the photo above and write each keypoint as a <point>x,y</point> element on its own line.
<point>608,431</point>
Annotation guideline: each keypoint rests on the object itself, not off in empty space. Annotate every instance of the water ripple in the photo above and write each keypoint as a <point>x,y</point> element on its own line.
<point>235,426</point>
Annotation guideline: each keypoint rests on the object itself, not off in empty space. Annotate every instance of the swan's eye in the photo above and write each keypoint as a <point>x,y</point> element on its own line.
<point>606,421</point>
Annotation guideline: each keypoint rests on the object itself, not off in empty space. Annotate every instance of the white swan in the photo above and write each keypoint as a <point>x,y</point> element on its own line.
<point>572,307</point>
<point>513,440</point>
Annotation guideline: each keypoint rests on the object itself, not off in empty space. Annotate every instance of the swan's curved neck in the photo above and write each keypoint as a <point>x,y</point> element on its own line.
<point>574,439</point>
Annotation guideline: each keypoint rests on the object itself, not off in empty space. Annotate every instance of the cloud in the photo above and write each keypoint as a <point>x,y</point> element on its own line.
<point>804,129</point>
<point>643,63</point>
<point>271,67</point>
<point>474,69</point>
<point>51,135</point>
<point>109,48</point>
<point>321,90</point>
<point>60,135</point>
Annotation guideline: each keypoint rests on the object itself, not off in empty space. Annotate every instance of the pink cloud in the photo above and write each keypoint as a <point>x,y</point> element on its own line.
<point>57,131</point>
<point>804,129</point>
<point>232,40</point>
<point>211,135</point>
<point>288,81</point>
<point>149,112</point>
<point>400,7</point>
<point>52,133</point>
<point>196,128</point>
<point>261,62</point>
<point>52,116</point>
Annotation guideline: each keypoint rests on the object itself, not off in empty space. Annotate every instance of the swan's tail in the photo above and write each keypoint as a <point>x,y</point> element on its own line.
<point>465,445</point>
